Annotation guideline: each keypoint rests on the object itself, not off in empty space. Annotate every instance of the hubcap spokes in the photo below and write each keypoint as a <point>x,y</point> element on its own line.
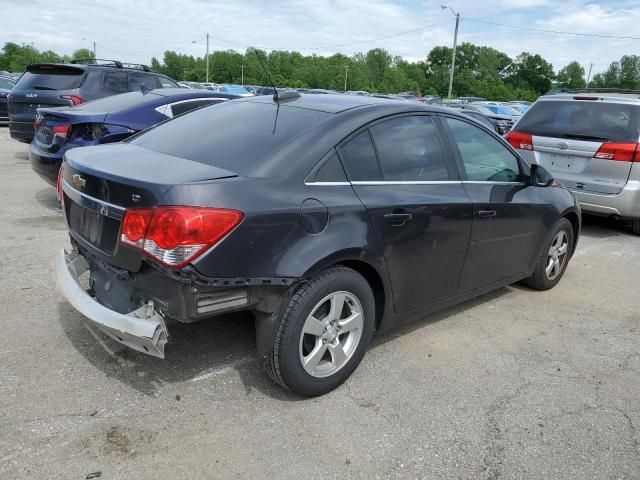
<point>557,255</point>
<point>331,334</point>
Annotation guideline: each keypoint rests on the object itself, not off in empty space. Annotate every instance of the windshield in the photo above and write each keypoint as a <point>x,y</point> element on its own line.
<point>583,119</point>
<point>50,78</point>
<point>502,109</point>
<point>235,136</point>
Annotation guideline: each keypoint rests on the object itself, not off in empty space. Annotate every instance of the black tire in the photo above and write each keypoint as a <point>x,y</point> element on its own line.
<point>540,280</point>
<point>284,364</point>
<point>635,226</point>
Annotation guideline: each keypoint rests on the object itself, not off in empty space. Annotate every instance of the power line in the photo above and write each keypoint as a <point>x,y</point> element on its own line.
<point>542,30</point>
<point>406,32</point>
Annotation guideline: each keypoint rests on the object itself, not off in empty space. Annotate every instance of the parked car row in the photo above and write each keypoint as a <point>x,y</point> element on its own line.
<point>53,85</point>
<point>107,120</point>
<point>6,84</point>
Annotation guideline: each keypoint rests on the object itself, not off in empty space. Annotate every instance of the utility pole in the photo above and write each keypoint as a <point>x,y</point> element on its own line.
<point>94,51</point>
<point>455,44</point>
<point>242,81</point>
<point>207,75</point>
<point>589,76</point>
<point>346,76</point>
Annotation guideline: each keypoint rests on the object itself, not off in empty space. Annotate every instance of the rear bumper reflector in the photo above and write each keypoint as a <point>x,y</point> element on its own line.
<point>143,329</point>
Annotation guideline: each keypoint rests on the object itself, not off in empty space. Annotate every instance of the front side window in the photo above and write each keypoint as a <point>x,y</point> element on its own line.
<point>485,159</point>
<point>359,158</point>
<point>409,149</point>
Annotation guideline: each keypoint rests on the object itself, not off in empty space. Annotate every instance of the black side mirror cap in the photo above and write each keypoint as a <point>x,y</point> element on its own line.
<point>539,176</point>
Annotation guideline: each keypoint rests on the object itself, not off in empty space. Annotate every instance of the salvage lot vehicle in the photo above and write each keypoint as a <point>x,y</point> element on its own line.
<point>336,217</point>
<point>6,84</point>
<point>108,120</point>
<point>54,85</point>
<point>588,140</point>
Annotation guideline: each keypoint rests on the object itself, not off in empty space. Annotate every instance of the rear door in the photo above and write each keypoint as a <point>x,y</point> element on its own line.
<point>587,143</point>
<point>43,86</point>
<point>508,214</point>
<point>417,206</point>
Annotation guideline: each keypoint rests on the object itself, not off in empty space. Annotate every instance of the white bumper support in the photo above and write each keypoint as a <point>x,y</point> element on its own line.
<point>143,329</point>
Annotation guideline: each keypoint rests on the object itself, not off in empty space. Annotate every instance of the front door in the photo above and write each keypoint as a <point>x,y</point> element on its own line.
<point>507,215</point>
<point>418,207</point>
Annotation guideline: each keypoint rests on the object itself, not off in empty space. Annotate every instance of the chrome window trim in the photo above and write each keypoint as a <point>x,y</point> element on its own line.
<point>417,182</point>
<point>327,184</point>
<point>99,206</point>
<point>408,182</point>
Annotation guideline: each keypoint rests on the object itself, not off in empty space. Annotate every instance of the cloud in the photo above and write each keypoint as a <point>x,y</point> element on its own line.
<point>134,31</point>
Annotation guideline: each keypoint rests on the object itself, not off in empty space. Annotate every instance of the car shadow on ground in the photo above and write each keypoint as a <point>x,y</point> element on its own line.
<point>596,226</point>
<point>206,350</point>
<point>48,198</point>
<point>22,155</point>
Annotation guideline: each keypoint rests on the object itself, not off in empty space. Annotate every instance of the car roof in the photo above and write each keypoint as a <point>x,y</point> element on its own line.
<point>330,103</point>
<point>613,96</point>
<point>84,66</point>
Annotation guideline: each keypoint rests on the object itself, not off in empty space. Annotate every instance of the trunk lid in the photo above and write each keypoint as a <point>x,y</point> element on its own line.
<point>49,118</point>
<point>567,133</point>
<point>101,182</point>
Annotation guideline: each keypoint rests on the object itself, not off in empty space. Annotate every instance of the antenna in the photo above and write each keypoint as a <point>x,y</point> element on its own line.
<point>276,97</point>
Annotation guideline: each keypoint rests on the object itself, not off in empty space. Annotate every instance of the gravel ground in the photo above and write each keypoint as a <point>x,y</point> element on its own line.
<point>514,384</point>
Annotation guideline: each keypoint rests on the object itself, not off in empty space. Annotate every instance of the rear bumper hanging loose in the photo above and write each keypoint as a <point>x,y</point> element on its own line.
<point>143,329</point>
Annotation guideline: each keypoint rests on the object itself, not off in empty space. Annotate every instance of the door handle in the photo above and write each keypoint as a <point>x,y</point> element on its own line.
<point>398,219</point>
<point>487,213</point>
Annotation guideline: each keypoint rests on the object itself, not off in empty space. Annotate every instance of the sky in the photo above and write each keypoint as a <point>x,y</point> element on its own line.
<point>136,30</point>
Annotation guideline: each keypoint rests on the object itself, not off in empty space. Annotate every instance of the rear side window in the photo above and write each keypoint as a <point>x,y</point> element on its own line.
<point>184,107</point>
<point>485,159</point>
<point>167,83</point>
<point>51,78</point>
<point>409,149</point>
<point>583,120</point>
<point>360,159</point>
<point>6,84</point>
<point>330,171</point>
<point>138,81</point>
<point>235,136</point>
<point>115,82</point>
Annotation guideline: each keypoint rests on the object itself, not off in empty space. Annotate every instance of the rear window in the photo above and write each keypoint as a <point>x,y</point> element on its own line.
<point>582,120</point>
<point>51,78</point>
<point>235,136</point>
<point>114,103</point>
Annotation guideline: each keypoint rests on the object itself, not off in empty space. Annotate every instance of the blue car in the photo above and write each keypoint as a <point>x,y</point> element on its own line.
<point>108,120</point>
<point>6,84</point>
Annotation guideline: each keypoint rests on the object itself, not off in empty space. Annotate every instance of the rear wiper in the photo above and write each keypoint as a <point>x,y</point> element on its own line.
<point>40,87</point>
<point>579,136</point>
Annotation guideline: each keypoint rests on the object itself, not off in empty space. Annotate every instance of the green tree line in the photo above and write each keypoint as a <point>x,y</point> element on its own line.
<point>480,71</point>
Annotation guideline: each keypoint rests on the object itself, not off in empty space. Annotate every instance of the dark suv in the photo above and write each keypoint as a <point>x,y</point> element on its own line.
<point>54,85</point>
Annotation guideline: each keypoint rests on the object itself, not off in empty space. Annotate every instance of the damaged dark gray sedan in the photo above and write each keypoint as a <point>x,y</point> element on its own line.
<point>329,217</point>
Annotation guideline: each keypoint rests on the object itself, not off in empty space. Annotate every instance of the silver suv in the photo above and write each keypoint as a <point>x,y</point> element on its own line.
<point>588,140</point>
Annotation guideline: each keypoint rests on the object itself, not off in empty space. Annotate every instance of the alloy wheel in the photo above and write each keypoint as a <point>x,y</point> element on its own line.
<point>557,256</point>
<point>331,334</point>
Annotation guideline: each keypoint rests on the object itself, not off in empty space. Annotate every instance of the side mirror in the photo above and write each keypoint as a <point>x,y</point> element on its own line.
<point>539,176</point>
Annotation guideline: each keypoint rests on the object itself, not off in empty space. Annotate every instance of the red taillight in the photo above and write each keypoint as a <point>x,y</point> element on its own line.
<point>61,130</point>
<point>176,235</point>
<point>523,141</point>
<point>59,186</point>
<point>75,99</point>
<point>621,152</point>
